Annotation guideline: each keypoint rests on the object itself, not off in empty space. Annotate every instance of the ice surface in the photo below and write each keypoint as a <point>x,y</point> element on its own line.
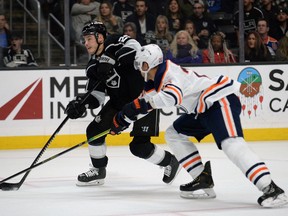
<point>134,186</point>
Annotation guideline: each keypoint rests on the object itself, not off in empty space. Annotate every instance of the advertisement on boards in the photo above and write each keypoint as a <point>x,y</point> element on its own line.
<point>33,101</point>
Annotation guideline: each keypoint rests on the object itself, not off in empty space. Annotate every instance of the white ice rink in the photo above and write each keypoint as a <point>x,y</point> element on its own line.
<point>134,186</point>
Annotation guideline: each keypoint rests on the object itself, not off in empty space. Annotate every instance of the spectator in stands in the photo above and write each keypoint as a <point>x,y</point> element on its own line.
<point>16,55</point>
<point>217,51</point>
<point>270,42</point>
<point>81,13</point>
<point>283,4</point>
<point>183,49</point>
<point>175,16</point>
<point>282,51</point>
<point>122,9</point>
<point>144,21</point>
<point>279,29</point>
<point>251,15</point>
<point>269,11</point>
<point>205,26</point>
<point>131,30</point>
<point>113,23</point>
<point>187,8</point>
<point>161,36</point>
<point>157,7</point>
<point>214,5</point>
<point>5,36</point>
<point>255,49</point>
<point>190,28</point>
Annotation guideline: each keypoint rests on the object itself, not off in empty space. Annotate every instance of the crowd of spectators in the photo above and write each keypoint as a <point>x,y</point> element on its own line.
<point>188,31</point>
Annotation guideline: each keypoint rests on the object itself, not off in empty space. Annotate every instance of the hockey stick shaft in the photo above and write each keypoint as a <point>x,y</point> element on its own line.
<point>52,137</point>
<point>56,156</point>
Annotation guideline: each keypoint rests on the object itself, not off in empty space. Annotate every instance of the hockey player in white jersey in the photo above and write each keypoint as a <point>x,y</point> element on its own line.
<point>211,107</point>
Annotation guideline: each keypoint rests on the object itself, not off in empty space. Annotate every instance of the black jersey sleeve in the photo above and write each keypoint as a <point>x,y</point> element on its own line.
<point>121,48</point>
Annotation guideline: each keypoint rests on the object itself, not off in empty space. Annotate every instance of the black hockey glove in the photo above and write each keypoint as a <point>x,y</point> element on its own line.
<point>75,109</point>
<point>136,107</point>
<point>119,124</point>
<point>105,68</point>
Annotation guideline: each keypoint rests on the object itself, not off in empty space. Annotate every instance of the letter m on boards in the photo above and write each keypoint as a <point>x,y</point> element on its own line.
<point>25,105</point>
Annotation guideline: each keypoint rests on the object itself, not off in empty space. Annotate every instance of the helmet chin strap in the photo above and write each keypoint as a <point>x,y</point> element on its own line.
<point>145,73</point>
<point>96,37</point>
<point>145,77</point>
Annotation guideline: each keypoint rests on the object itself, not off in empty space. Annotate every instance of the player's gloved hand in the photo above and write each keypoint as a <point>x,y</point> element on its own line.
<point>136,107</point>
<point>75,109</point>
<point>105,68</point>
<point>119,124</point>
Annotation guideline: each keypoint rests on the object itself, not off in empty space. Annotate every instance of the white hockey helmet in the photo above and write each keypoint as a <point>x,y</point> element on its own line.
<point>151,54</point>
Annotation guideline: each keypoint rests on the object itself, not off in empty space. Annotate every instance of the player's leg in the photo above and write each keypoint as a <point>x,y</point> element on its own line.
<point>226,128</point>
<point>177,137</point>
<point>97,148</point>
<point>141,146</point>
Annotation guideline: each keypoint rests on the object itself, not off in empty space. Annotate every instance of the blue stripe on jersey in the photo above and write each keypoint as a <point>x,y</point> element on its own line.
<point>171,94</point>
<point>216,91</point>
<point>180,90</point>
<point>219,79</point>
<point>159,74</point>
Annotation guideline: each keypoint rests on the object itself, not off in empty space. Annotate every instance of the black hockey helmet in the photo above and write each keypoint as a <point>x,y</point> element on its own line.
<point>94,28</point>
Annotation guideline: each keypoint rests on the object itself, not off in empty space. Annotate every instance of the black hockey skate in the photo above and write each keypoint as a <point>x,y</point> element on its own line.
<point>201,187</point>
<point>171,171</point>
<point>273,197</point>
<point>95,176</point>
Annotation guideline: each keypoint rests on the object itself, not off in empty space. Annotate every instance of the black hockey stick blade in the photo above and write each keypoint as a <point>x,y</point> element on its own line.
<point>16,186</point>
<point>9,186</point>
<point>5,186</point>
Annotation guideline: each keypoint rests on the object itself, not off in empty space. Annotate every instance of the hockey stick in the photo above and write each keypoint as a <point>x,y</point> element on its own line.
<point>16,186</point>
<point>7,186</point>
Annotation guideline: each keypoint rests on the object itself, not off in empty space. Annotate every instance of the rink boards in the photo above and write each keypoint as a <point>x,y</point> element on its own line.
<point>32,105</point>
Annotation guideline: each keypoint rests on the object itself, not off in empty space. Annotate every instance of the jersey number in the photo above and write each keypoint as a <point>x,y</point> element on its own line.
<point>123,38</point>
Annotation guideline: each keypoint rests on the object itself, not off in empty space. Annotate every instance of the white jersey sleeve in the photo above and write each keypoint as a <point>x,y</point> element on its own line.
<point>194,93</point>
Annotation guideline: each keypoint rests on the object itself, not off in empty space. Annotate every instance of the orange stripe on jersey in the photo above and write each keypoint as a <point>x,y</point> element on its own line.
<point>228,118</point>
<point>191,161</point>
<point>176,92</point>
<point>164,74</point>
<point>256,172</point>
<point>208,90</point>
<point>136,103</point>
<point>150,90</point>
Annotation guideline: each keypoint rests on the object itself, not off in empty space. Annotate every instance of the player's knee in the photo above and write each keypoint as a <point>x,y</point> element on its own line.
<point>94,129</point>
<point>141,149</point>
<point>171,136</point>
<point>233,147</point>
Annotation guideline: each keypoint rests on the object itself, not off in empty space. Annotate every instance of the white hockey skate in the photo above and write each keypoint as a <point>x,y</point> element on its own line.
<point>201,187</point>
<point>273,197</point>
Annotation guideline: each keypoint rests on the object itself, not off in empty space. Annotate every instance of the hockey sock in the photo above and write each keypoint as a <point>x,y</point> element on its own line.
<point>185,151</point>
<point>247,161</point>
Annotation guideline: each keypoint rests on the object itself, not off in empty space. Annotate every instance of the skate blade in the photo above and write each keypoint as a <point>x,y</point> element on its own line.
<point>207,193</point>
<point>281,200</point>
<point>91,183</point>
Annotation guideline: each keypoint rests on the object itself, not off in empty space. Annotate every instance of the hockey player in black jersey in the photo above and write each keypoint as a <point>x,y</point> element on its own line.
<point>111,63</point>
